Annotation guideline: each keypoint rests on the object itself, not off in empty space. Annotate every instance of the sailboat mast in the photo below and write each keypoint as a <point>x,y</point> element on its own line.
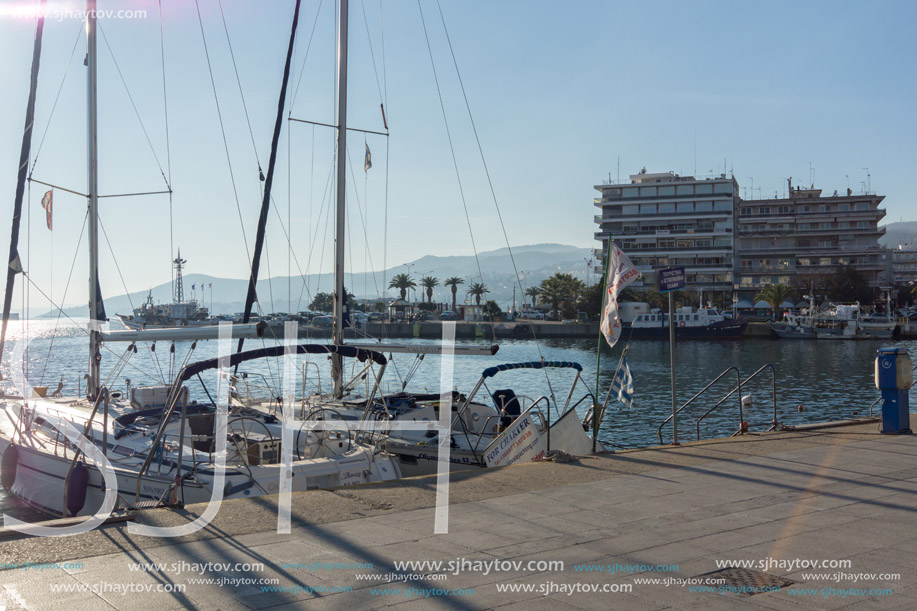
<point>337,337</point>
<point>93,191</point>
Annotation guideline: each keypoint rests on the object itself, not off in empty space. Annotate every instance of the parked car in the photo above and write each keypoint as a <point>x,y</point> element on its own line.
<point>531,315</point>
<point>323,322</point>
<point>375,317</point>
<point>448,315</point>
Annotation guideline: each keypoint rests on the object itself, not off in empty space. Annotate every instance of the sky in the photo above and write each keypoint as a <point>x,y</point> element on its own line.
<point>562,97</point>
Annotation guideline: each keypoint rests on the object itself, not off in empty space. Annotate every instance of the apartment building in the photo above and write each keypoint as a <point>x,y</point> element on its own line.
<point>800,240</point>
<point>904,263</point>
<point>665,220</point>
<point>731,247</point>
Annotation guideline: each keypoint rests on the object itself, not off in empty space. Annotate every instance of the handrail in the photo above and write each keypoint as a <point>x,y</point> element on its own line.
<point>699,393</point>
<point>872,405</point>
<point>739,390</point>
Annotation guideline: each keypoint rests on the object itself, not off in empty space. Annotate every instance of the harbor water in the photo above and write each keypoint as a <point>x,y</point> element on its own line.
<point>816,381</point>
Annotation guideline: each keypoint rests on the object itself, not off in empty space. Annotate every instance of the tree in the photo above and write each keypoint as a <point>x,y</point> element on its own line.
<point>429,282</point>
<point>561,291</point>
<point>453,283</point>
<point>477,290</point>
<point>402,282</point>
<point>590,300</point>
<point>324,302</point>
<point>629,295</point>
<point>493,310</point>
<point>534,292</point>
<point>848,284</point>
<point>774,295</point>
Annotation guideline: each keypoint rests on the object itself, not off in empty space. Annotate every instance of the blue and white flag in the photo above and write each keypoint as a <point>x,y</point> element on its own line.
<point>623,385</point>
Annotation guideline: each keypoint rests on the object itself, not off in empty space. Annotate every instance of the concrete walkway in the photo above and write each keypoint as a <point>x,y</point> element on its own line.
<point>845,497</point>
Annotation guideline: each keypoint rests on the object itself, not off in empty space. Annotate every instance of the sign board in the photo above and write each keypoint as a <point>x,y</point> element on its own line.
<point>521,442</point>
<point>671,279</point>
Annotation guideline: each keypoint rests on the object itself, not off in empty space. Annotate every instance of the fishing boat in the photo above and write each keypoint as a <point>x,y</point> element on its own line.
<point>705,323</point>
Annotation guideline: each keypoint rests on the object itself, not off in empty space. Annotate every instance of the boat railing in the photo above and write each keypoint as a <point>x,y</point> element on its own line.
<point>305,377</point>
<point>738,391</point>
<point>701,392</point>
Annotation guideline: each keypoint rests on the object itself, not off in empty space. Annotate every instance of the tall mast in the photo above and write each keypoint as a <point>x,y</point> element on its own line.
<point>337,337</point>
<point>14,265</point>
<point>93,191</point>
<point>178,262</point>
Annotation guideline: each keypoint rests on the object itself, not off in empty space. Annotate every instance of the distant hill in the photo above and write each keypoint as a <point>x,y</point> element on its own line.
<point>534,262</point>
<point>904,232</point>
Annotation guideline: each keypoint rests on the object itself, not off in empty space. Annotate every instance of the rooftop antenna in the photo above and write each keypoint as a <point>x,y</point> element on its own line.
<point>695,152</point>
<point>868,181</point>
<point>752,179</point>
<point>619,168</point>
<point>811,175</point>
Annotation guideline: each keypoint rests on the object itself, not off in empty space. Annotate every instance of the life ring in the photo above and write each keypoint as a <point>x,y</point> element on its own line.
<point>681,324</point>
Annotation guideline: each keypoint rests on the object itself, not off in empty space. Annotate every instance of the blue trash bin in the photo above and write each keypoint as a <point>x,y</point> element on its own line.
<point>894,378</point>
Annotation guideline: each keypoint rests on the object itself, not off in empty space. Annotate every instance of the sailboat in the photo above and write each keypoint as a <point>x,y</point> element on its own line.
<point>157,446</point>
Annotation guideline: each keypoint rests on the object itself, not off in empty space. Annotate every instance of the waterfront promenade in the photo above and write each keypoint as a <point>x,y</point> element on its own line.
<point>845,497</point>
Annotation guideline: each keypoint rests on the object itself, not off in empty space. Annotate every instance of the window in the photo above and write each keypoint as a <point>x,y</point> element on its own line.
<point>630,209</point>
<point>862,206</point>
<point>647,208</point>
<point>629,192</point>
<point>705,225</point>
<point>824,225</point>
<point>824,208</point>
<point>684,190</point>
<point>746,281</point>
<point>722,187</point>
<point>666,208</point>
<point>826,244</point>
<point>703,206</point>
<point>863,225</point>
<point>647,191</point>
<point>666,244</point>
<point>722,206</point>
<point>703,188</point>
<point>703,243</point>
<point>843,225</point>
<point>670,190</point>
<point>803,208</point>
<point>745,211</point>
<point>783,263</point>
<point>684,207</point>
<point>843,207</point>
<point>802,226</point>
<point>803,261</point>
<point>685,243</point>
<point>824,261</point>
<point>784,210</point>
<point>764,210</point>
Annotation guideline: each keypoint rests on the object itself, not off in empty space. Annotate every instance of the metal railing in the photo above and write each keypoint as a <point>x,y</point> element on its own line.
<point>699,393</point>
<point>738,390</point>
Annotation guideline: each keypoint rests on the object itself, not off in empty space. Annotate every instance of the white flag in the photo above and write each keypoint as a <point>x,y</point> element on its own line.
<point>368,160</point>
<point>621,272</point>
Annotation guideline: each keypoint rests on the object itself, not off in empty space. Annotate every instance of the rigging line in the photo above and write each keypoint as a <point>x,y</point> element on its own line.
<point>306,57</point>
<point>117,267</point>
<point>134,106</point>
<point>223,131</point>
<point>165,108</point>
<point>66,290</point>
<point>363,223</point>
<point>451,145</point>
<point>326,198</point>
<point>372,55</point>
<point>79,36</point>
<point>286,235</point>
<point>477,139</point>
<point>239,82</point>
<point>382,45</point>
<point>31,283</point>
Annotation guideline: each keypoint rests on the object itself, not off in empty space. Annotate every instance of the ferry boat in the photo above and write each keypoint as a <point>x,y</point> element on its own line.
<point>705,323</point>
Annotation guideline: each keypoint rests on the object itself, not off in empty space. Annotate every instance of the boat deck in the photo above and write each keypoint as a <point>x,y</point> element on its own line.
<point>837,494</point>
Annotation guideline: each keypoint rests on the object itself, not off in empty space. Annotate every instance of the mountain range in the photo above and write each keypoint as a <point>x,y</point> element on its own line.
<point>282,293</point>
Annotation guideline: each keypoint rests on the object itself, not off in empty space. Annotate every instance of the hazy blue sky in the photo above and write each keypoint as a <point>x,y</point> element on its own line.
<point>559,92</point>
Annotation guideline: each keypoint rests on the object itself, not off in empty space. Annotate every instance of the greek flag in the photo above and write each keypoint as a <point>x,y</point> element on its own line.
<point>623,385</point>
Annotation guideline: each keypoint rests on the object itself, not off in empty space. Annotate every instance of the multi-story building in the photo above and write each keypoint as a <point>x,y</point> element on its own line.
<point>904,263</point>
<point>800,240</point>
<point>666,220</point>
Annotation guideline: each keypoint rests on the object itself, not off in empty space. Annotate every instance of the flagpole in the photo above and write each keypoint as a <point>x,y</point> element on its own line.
<point>598,358</point>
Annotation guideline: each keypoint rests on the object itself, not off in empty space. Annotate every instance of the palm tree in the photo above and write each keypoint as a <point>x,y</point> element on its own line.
<point>453,283</point>
<point>534,292</point>
<point>477,290</point>
<point>428,282</point>
<point>774,295</point>
<point>402,282</point>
